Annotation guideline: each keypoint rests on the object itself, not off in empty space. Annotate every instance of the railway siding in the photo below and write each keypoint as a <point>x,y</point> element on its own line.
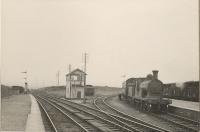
<point>129,109</point>
<point>106,119</point>
<point>87,117</point>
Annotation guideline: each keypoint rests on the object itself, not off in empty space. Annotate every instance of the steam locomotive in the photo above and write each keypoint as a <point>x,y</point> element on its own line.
<point>145,93</point>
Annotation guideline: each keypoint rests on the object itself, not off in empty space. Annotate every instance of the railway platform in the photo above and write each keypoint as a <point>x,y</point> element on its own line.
<point>34,120</point>
<point>194,106</point>
<point>186,109</point>
<point>21,113</point>
<point>14,112</point>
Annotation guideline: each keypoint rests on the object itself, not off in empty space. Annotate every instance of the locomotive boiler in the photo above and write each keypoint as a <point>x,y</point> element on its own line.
<point>146,93</point>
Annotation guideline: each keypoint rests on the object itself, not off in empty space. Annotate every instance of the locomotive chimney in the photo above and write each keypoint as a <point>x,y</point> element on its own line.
<point>155,74</point>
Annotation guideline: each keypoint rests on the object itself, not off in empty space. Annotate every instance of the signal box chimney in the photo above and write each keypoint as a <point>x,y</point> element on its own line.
<point>155,74</point>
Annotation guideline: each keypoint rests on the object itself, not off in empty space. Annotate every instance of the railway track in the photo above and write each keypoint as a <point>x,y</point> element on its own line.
<point>59,118</point>
<point>187,124</point>
<point>101,104</point>
<point>132,125</point>
<point>181,124</point>
<point>120,123</point>
<point>87,119</point>
<point>47,121</point>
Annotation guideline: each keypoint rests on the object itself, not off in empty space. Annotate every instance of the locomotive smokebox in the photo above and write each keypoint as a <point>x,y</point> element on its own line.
<point>155,74</point>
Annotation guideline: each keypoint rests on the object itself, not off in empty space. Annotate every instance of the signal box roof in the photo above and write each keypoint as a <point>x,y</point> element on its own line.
<point>76,72</point>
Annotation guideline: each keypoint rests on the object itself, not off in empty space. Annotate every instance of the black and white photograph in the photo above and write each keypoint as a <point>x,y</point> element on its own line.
<point>100,66</point>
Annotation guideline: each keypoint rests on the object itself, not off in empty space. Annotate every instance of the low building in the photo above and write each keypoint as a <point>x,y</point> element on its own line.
<point>18,89</point>
<point>75,84</point>
<point>89,90</point>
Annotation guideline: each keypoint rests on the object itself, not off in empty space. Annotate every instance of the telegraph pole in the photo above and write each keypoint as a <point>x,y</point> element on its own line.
<point>69,81</point>
<point>85,61</point>
<point>25,81</point>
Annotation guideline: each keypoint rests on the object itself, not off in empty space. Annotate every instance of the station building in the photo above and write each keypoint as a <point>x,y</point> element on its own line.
<point>75,84</point>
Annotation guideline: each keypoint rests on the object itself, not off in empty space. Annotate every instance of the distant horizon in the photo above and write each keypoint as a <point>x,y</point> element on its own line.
<point>100,85</point>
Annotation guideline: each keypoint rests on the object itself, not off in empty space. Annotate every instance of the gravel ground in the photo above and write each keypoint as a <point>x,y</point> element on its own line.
<point>89,102</point>
<point>14,112</point>
<point>127,108</point>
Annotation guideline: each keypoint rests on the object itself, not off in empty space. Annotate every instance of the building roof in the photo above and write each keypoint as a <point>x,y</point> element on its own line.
<point>74,72</point>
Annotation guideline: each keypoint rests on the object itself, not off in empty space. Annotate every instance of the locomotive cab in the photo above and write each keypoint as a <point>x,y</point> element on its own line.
<point>144,93</point>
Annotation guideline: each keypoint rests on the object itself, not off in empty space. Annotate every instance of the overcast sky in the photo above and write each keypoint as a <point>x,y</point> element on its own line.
<point>121,37</point>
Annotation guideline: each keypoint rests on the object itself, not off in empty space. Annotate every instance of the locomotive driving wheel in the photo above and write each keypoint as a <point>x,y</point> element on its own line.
<point>148,107</point>
<point>164,108</point>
